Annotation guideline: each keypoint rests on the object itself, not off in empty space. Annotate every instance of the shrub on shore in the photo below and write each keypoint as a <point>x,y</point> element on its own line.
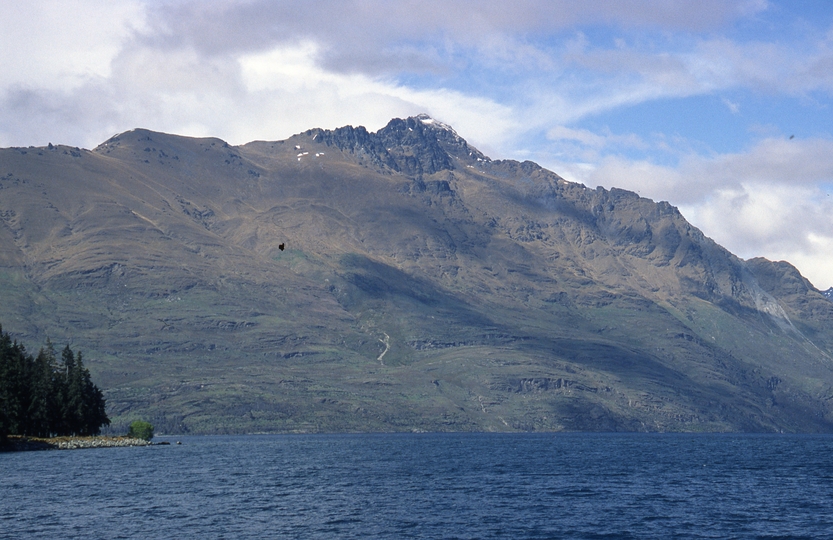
<point>140,430</point>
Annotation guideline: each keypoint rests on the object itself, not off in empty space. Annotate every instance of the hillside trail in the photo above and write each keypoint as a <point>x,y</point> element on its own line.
<point>386,342</point>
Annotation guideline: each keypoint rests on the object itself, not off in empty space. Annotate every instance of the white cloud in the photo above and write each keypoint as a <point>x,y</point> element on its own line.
<point>733,107</point>
<point>60,45</point>
<point>595,140</point>
<point>152,64</point>
<point>788,67</point>
<point>267,95</point>
<point>336,99</point>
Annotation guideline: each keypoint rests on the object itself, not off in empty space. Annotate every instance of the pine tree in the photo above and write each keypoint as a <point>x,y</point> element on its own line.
<point>43,406</point>
<point>91,414</point>
<point>15,385</point>
<point>96,406</point>
<point>73,399</point>
<point>41,397</point>
<point>5,374</point>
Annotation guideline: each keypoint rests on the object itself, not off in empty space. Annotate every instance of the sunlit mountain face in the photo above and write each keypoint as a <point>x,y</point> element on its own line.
<point>398,280</point>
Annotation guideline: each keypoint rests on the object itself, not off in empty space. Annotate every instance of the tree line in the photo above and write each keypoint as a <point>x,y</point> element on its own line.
<point>43,396</point>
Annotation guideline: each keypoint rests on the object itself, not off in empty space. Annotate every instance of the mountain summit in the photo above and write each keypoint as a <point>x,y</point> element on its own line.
<point>343,280</point>
<point>416,146</point>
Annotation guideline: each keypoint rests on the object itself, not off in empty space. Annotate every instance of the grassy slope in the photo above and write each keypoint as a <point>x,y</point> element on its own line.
<point>502,297</point>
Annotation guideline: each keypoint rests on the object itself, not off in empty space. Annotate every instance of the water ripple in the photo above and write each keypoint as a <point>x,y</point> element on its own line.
<point>462,486</point>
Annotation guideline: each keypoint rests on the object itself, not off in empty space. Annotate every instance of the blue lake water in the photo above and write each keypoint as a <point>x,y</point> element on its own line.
<point>427,486</point>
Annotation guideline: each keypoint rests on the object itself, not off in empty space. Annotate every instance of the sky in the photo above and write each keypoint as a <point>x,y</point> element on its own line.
<point>721,107</point>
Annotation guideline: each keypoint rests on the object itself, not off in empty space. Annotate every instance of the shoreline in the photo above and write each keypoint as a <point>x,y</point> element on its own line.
<point>18,443</point>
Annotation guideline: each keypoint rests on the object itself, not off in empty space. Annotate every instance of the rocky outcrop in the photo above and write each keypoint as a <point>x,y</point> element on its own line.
<point>71,443</point>
<point>783,281</point>
<point>100,442</point>
<point>415,146</point>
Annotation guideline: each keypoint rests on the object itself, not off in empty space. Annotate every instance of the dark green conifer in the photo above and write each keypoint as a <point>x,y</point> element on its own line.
<point>90,407</point>
<point>42,405</point>
<point>15,389</point>
<point>5,344</point>
<point>41,397</point>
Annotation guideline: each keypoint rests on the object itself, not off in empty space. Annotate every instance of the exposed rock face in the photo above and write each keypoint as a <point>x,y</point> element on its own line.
<point>343,280</point>
<point>415,146</point>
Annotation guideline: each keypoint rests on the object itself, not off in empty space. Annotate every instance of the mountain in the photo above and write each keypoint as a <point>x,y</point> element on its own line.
<point>343,280</point>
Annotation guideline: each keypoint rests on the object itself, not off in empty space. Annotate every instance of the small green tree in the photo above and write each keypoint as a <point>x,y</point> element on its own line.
<point>140,430</point>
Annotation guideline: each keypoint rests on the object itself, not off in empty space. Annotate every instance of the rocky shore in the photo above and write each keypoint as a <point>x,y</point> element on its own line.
<point>17,444</point>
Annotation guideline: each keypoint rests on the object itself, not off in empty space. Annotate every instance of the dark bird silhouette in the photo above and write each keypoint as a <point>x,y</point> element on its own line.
<point>792,137</point>
<point>281,246</point>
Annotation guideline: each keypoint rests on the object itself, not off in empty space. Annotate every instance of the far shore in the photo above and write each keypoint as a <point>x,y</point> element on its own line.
<point>18,443</point>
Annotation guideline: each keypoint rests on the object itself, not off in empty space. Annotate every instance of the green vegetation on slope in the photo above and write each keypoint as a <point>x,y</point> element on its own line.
<point>422,286</point>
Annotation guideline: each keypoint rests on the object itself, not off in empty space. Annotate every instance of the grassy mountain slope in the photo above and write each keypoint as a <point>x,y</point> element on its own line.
<point>422,286</point>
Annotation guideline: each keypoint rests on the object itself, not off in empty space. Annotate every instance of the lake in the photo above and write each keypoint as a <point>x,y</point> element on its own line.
<point>427,486</point>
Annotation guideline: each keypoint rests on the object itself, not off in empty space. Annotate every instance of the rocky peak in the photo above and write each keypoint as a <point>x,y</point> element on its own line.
<point>779,278</point>
<point>357,141</point>
<point>414,146</point>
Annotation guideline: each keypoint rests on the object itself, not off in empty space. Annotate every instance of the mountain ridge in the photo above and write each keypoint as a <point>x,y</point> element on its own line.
<point>422,286</point>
